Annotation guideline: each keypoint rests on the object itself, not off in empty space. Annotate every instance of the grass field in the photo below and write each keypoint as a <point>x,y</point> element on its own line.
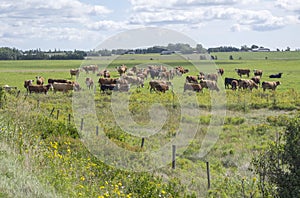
<point>56,153</point>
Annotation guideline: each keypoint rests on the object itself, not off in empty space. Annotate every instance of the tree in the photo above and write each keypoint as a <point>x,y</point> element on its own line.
<point>278,166</point>
<point>200,49</point>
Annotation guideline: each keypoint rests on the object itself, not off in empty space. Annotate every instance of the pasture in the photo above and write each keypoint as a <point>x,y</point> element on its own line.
<point>56,152</point>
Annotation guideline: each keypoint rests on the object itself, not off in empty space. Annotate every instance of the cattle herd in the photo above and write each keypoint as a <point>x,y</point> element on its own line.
<point>253,82</point>
<point>160,80</point>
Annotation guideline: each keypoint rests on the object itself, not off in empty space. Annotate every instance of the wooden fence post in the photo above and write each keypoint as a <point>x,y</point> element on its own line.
<point>97,130</point>
<point>173,156</point>
<point>51,112</point>
<point>57,114</point>
<point>143,141</point>
<point>208,175</point>
<point>81,124</point>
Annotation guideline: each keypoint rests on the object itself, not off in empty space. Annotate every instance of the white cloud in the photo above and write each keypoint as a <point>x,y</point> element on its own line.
<point>244,19</point>
<point>290,5</point>
<point>106,25</point>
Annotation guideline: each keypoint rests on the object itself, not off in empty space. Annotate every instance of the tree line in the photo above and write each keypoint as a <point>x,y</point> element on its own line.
<point>7,53</point>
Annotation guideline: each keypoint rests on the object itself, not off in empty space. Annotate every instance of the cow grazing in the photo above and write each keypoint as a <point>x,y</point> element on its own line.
<point>92,68</point>
<point>89,82</point>
<point>270,85</point>
<point>275,75</point>
<point>192,87</point>
<point>159,85</point>
<point>256,79</point>
<point>39,88</point>
<point>241,72</point>
<point>258,72</point>
<point>191,79</point>
<point>39,80</point>
<point>63,87</point>
<point>247,84</point>
<point>220,71</point>
<point>209,84</point>
<point>228,81</point>
<point>74,72</point>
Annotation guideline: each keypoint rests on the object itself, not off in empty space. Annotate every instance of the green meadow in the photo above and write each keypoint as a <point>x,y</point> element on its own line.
<point>44,152</point>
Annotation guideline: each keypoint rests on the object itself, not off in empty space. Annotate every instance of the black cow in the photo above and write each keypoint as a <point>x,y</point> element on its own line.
<point>275,75</point>
<point>228,82</point>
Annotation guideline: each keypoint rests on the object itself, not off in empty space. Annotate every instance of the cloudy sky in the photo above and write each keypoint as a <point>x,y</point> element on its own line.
<point>84,24</point>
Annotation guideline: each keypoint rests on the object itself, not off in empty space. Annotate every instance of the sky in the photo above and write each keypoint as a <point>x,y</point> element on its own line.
<point>86,24</point>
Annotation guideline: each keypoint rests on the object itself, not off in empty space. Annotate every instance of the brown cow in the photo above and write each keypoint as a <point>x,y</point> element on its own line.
<point>220,71</point>
<point>39,80</point>
<point>181,69</point>
<point>270,85</point>
<point>89,82</point>
<point>209,84</point>
<point>159,85</point>
<point>39,88</point>
<point>92,68</point>
<point>122,69</point>
<point>256,79</point>
<point>74,72</point>
<point>258,72</point>
<point>192,86</point>
<point>63,87</point>
<point>191,79</point>
<point>245,84</point>
<point>241,72</point>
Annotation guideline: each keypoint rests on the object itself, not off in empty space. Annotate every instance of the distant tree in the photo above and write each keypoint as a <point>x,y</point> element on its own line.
<point>254,47</point>
<point>200,49</point>
<point>288,49</point>
<point>278,50</point>
<point>245,48</point>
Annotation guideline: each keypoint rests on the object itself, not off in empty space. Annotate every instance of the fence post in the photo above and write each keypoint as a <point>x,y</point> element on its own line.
<point>57,115</point>
<point>143,141</point>
<point>173,156</point>
<point>208,175</point>
<point>81,124</point>
<point>51,112</point>
<point>97,130</point>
